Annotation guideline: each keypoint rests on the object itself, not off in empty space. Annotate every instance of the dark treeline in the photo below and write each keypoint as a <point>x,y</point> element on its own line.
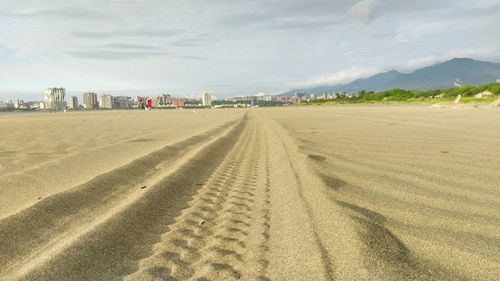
<point>400,95</point>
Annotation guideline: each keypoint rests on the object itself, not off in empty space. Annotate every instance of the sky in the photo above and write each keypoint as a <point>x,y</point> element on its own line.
<point>229,48</point>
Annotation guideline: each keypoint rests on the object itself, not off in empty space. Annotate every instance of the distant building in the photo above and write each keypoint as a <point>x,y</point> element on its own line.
<point>282,98</point>
<point>193,102</point>
<point>72,103</point>
<point>155,102</point>
<point>266,98</point>
<point>121,102</point>
<point>19,104</point>
<point>106,102</point>
<point>6,105</point>
<point>90,100</point>
<point>54,98</point>
<point>207,99</point>
<point>178,102</point>
<point>33,105</point>
<point>300,94</point>
<point>165,99</point>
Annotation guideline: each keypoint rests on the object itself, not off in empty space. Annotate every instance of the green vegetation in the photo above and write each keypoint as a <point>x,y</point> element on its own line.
<point>414,96</point>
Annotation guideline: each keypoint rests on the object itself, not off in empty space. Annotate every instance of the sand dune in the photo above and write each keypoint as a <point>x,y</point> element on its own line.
<point>328,193</point>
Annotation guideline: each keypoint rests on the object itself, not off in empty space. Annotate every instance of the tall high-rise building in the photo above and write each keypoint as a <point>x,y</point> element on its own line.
<point>165,99</point>
<point>207,99</point>
<point>121,102</point>
<point>90,100</point>
<point>6,105</point>
<point>106,102</point>
<point>54,98</point>
<point>72,103</point>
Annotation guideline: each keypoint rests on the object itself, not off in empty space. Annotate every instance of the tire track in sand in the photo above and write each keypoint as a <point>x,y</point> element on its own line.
<point>113,248</point>
<point>40,229</point>
<point>224,233</point>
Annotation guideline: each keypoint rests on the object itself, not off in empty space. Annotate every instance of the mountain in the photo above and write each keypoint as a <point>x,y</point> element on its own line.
<point>437,76</point>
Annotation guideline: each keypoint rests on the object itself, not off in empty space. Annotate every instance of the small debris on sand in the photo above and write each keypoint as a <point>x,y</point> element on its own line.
<point>142,187</point>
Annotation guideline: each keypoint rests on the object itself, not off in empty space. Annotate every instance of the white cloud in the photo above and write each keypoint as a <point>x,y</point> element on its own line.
<point>366,10</point>
<point>350,74</point>
<point>343,76</point>
<point>231,47</point>
<point>353,73</point>
<point>422,29</point>
<point>486,53</point>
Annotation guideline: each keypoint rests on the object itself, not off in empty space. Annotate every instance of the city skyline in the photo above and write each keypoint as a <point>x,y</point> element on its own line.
<point>237,48</point>
<point>39,96</point>
<point>55,99</point>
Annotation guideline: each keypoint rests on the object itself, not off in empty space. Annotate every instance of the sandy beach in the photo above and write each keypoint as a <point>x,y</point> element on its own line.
<point>299,193</point>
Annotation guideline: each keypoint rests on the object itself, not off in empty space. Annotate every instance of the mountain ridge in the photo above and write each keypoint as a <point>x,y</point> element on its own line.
<point>437,76</point>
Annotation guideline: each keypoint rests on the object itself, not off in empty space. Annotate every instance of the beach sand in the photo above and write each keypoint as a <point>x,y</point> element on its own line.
<point>302,193</point>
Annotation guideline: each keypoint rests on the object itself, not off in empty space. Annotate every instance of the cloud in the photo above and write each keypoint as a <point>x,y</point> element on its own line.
<point>486,53</point>
<point>366,10</point>
<point>113,55</point>
<point>127,52</point>
<point>189,42</point>
<point>191,57</point>
<point>246,45</point>
<point>343,76</point>
<point>353,73</point>
<point>67,13</point>
<point>125,33</point>
<point>5,50</point>
<point>128,46</point>
<point>291,15</point>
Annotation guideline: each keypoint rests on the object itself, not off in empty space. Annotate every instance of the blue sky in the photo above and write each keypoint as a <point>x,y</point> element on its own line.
<point>230,47</point>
